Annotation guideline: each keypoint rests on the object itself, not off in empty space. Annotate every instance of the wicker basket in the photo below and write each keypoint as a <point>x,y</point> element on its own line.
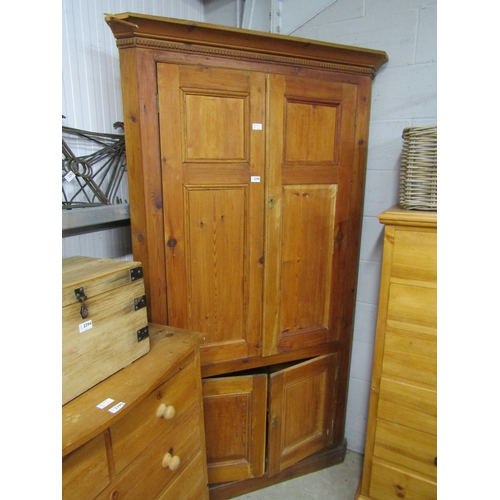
<point>418,172</point>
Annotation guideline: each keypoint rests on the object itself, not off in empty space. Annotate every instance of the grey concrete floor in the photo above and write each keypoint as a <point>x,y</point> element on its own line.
<point>338,482</point>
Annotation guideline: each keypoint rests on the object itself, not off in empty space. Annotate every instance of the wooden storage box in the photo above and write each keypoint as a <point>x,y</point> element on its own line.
<point>104,320</point>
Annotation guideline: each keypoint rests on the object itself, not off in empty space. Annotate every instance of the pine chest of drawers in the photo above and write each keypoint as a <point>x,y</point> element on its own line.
<point>139,434</point>
<point>401,450</point>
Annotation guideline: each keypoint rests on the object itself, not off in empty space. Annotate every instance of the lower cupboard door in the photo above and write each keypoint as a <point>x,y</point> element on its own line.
<point>235,426</point>
<point>301,412</point>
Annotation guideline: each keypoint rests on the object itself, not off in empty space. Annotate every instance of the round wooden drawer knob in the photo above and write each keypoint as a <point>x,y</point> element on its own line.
<point>171,462</point>
<point>167,412</point>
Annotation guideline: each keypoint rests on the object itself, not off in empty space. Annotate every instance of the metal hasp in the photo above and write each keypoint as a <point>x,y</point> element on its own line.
<point>142,334</point>
<point>80,294</point>
<point>81,297</point>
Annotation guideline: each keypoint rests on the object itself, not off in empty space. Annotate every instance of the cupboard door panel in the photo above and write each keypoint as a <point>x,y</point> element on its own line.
<point>308,215</point>
<point>215,250</point>
<point>311,154</point>
<point>301,412</point>
<point>215,126</point>
<point>235,427</point>
<point>308,128</point>
<point>213,210</point>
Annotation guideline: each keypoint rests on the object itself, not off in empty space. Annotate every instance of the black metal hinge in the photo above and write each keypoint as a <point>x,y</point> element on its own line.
<point>136,273</point>
<point>142,334</point>
<point>139,303</point>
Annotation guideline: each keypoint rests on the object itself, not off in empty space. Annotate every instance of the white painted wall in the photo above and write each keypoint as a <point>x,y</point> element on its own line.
<point>404,94</point>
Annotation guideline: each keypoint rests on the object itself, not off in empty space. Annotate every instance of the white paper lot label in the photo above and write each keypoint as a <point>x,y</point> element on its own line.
<point>105,403</point>
<point>83,327</point>
<point>117,407</point>
<point>69,176</point>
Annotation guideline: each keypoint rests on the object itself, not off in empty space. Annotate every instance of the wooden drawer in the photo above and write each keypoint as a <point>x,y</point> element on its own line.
<point>391,483</point>
<point>85,471</point>
<point>191,484</point>
<point>411,357</point>
<point>146,477</point>
<point>406,447</point>
<point>415,255</point>
<point>142,426</point>
<point>408,405</point>
<point>412,308</point>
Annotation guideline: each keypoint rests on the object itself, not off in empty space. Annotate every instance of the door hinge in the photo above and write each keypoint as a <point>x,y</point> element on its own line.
<point>355,118</point>
<point>139,303</point>
<point>157,103</point>
<point>142,334</point>
<point>136,273</point>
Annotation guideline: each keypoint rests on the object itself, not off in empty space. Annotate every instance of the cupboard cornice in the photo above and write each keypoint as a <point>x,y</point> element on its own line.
<point>137,30</point>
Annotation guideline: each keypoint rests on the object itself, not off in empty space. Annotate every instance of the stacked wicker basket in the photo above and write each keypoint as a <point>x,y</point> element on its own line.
<point>418,171</point>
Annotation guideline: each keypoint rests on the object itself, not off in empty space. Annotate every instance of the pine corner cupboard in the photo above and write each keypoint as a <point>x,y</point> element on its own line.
<point>246,157</point>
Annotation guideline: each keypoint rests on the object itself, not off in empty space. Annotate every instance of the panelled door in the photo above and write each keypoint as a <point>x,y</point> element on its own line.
<point>301,411</point>
<point>212,150</point>
<point>235,415</point>
<point>299,408</point>
<point>311,156</point>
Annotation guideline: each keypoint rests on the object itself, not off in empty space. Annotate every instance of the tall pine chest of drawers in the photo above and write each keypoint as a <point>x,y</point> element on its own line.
<point>401,446</point>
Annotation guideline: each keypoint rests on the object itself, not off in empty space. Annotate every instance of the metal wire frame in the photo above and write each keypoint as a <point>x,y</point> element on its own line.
<point>97,175</point>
